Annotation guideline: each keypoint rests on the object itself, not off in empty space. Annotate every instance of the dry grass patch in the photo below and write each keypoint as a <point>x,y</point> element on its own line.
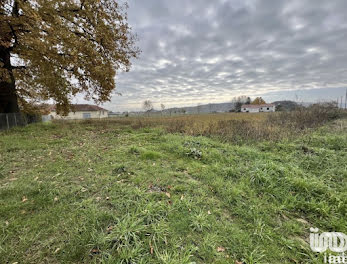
<point>234,127</point>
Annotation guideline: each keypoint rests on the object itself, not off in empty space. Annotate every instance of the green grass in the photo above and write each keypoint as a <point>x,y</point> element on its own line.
<point>104,193</point>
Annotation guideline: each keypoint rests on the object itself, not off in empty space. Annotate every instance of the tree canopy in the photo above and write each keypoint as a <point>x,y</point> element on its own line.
<point>56,49</point>
<point>258,101</point>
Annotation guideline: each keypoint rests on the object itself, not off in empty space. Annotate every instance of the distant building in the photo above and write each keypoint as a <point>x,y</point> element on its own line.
<point>258,108</point>
<point>114,114</point>
<point>80,111</point>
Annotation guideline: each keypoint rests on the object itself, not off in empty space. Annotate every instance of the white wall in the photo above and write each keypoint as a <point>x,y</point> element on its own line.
<point>265,109</point>
<point>257,110</point>
<point>46,118</point>
<point>79,115</point>
<point>250,110</point>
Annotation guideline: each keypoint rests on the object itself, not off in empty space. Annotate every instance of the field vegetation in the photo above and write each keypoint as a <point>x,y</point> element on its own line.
<point>240,127</point>
<point>221,188</point>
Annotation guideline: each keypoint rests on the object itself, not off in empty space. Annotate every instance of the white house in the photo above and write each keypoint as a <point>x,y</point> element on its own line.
<point>258,108</point>
<point>81,111</point>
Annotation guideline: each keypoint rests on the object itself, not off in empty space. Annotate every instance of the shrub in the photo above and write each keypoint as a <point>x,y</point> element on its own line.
<point>177,126</point>
<point>303,118</point>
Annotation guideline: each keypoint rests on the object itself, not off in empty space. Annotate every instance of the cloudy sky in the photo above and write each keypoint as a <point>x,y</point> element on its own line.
<point>203,51</point>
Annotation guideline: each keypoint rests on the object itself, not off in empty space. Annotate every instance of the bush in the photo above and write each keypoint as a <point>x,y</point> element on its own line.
<point>177,126</point>
<point>274,127</point>
<point>304,118</point>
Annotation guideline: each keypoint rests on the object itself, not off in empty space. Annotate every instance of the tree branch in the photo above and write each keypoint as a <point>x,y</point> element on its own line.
<point>14,36</point>
<point>19,67</point>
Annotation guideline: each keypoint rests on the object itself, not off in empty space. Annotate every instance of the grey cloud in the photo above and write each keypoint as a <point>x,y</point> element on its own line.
<point>202,50</point>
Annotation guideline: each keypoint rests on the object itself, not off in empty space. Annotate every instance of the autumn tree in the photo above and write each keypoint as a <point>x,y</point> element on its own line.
<point>258,101</point>
<point>56,49</point>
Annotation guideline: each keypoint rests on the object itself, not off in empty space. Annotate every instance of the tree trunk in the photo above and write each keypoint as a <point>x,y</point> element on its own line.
<point>8,95</point>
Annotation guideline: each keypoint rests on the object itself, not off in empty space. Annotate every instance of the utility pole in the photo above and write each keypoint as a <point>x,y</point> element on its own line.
<point>346,100</point>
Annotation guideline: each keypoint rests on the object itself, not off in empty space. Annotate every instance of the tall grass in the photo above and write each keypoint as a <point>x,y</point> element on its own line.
<point>237,127</point>
<point>259,127</point>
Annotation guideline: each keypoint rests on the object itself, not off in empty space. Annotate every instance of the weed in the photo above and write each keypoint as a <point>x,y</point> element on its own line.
<point>2,168</point>
<point>194,153</point>
<point>150,155</point>
<point>119,170</point>
<point>134,150</point>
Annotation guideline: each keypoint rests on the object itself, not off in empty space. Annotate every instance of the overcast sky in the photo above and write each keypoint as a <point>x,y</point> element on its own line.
<point>203,51</point>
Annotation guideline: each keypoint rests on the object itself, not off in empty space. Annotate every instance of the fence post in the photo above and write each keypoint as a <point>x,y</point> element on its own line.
<point>8,125</point>
<point>15,119</point>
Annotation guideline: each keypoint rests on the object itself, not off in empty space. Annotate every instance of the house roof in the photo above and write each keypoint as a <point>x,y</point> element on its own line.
<point>81,107</point>
<point>257,106</point>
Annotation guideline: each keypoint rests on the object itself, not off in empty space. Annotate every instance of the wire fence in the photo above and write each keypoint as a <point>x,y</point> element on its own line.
<point>10,120</point>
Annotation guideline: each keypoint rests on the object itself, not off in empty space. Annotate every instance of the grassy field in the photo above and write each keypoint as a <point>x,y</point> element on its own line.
<point>122,192</point>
